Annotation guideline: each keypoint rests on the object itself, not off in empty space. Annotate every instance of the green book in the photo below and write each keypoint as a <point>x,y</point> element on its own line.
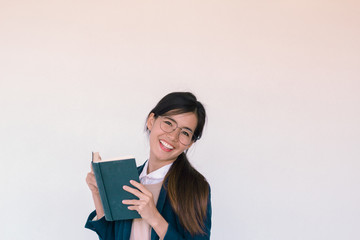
<point>111,175</point>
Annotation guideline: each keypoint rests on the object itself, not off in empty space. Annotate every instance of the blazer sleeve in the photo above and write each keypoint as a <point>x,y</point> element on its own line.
<point>104,229</point>
<point>173,234</point>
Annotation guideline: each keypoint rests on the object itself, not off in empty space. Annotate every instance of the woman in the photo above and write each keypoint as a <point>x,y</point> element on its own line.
<point>174,198</point>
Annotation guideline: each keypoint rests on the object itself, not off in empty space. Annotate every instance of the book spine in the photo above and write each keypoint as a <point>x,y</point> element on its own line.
<point>102,191</point>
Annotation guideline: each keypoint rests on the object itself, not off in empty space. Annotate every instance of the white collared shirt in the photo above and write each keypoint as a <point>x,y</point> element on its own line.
<point>155,176</point>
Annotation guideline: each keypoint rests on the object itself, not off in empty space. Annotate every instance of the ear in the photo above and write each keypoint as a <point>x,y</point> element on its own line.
<point>150,121</point>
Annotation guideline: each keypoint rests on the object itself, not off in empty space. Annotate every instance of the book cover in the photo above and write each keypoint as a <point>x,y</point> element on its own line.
<point>111,175</point>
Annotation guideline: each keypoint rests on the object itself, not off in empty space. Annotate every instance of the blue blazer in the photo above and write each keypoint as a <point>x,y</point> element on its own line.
<point>120,230</point>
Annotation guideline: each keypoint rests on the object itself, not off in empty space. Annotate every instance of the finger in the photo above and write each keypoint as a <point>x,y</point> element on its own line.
<point>133,208</point>
<point>90,178</point>
<point>133,191</point>
<point>132,202</point>
<point>141,187</point>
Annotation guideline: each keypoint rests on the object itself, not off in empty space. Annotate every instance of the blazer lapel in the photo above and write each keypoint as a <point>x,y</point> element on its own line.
<point>161,200</point>
<point>140,169</point>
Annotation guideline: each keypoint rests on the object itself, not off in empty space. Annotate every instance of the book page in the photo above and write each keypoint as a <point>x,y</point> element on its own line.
<point>96,158</point>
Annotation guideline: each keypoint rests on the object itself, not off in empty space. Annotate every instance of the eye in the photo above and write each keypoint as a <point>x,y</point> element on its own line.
<point>169,123</point>
<point>186,134</point>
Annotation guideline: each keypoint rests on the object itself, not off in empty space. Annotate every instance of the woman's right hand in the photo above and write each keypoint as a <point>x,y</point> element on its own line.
<point>91,182</point>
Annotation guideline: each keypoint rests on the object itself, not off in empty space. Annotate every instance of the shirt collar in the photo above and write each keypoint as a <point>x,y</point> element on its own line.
<point>155,176</point>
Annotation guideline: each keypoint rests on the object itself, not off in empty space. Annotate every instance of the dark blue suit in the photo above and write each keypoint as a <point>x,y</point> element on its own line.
<point>120,230</point>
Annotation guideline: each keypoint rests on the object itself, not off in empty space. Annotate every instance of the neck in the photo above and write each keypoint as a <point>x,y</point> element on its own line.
<point>155,165</point>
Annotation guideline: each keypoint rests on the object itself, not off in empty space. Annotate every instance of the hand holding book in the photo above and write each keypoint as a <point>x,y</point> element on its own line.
<point>145,206</point>
<point>91,181</point>
<point>111,175</point>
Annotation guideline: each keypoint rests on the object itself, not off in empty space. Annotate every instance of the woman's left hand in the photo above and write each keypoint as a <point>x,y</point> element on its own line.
<point>145,206</point>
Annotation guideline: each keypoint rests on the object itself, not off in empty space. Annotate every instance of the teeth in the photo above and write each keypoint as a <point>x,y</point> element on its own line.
<point>166,145</point>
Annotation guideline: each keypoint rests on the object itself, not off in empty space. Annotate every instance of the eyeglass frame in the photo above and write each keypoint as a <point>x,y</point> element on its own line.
<point>193,137</point>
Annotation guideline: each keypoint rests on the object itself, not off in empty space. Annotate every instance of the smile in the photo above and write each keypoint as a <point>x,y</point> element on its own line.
<point>166,146</point>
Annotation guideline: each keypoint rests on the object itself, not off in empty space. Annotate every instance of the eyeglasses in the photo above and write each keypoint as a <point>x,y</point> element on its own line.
<point>169,126</point>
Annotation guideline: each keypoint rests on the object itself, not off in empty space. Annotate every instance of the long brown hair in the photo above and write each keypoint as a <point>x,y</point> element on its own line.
<point>187,189</point>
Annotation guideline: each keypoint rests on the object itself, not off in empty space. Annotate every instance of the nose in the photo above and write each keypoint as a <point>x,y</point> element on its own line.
<point>174,135</point>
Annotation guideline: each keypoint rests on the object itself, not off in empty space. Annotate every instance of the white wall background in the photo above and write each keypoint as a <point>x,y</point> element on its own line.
<point>280,80</point>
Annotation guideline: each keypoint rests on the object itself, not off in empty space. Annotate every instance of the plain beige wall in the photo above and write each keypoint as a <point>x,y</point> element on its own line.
<point>280,81</point>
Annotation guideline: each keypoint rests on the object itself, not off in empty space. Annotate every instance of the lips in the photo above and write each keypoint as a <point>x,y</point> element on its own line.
<point>167,147</point>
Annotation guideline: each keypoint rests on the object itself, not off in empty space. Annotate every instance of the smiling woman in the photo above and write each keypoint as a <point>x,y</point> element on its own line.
<point>174,198</point>
<point>167,140</point>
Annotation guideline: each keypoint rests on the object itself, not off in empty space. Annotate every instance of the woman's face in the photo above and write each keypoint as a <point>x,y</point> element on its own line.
<point>166,147</point>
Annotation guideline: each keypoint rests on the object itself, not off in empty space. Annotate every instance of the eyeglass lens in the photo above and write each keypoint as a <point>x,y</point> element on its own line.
<point>185,136</point>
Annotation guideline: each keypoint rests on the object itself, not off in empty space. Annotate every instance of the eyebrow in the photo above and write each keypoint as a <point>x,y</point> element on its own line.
<point>177,124</point>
